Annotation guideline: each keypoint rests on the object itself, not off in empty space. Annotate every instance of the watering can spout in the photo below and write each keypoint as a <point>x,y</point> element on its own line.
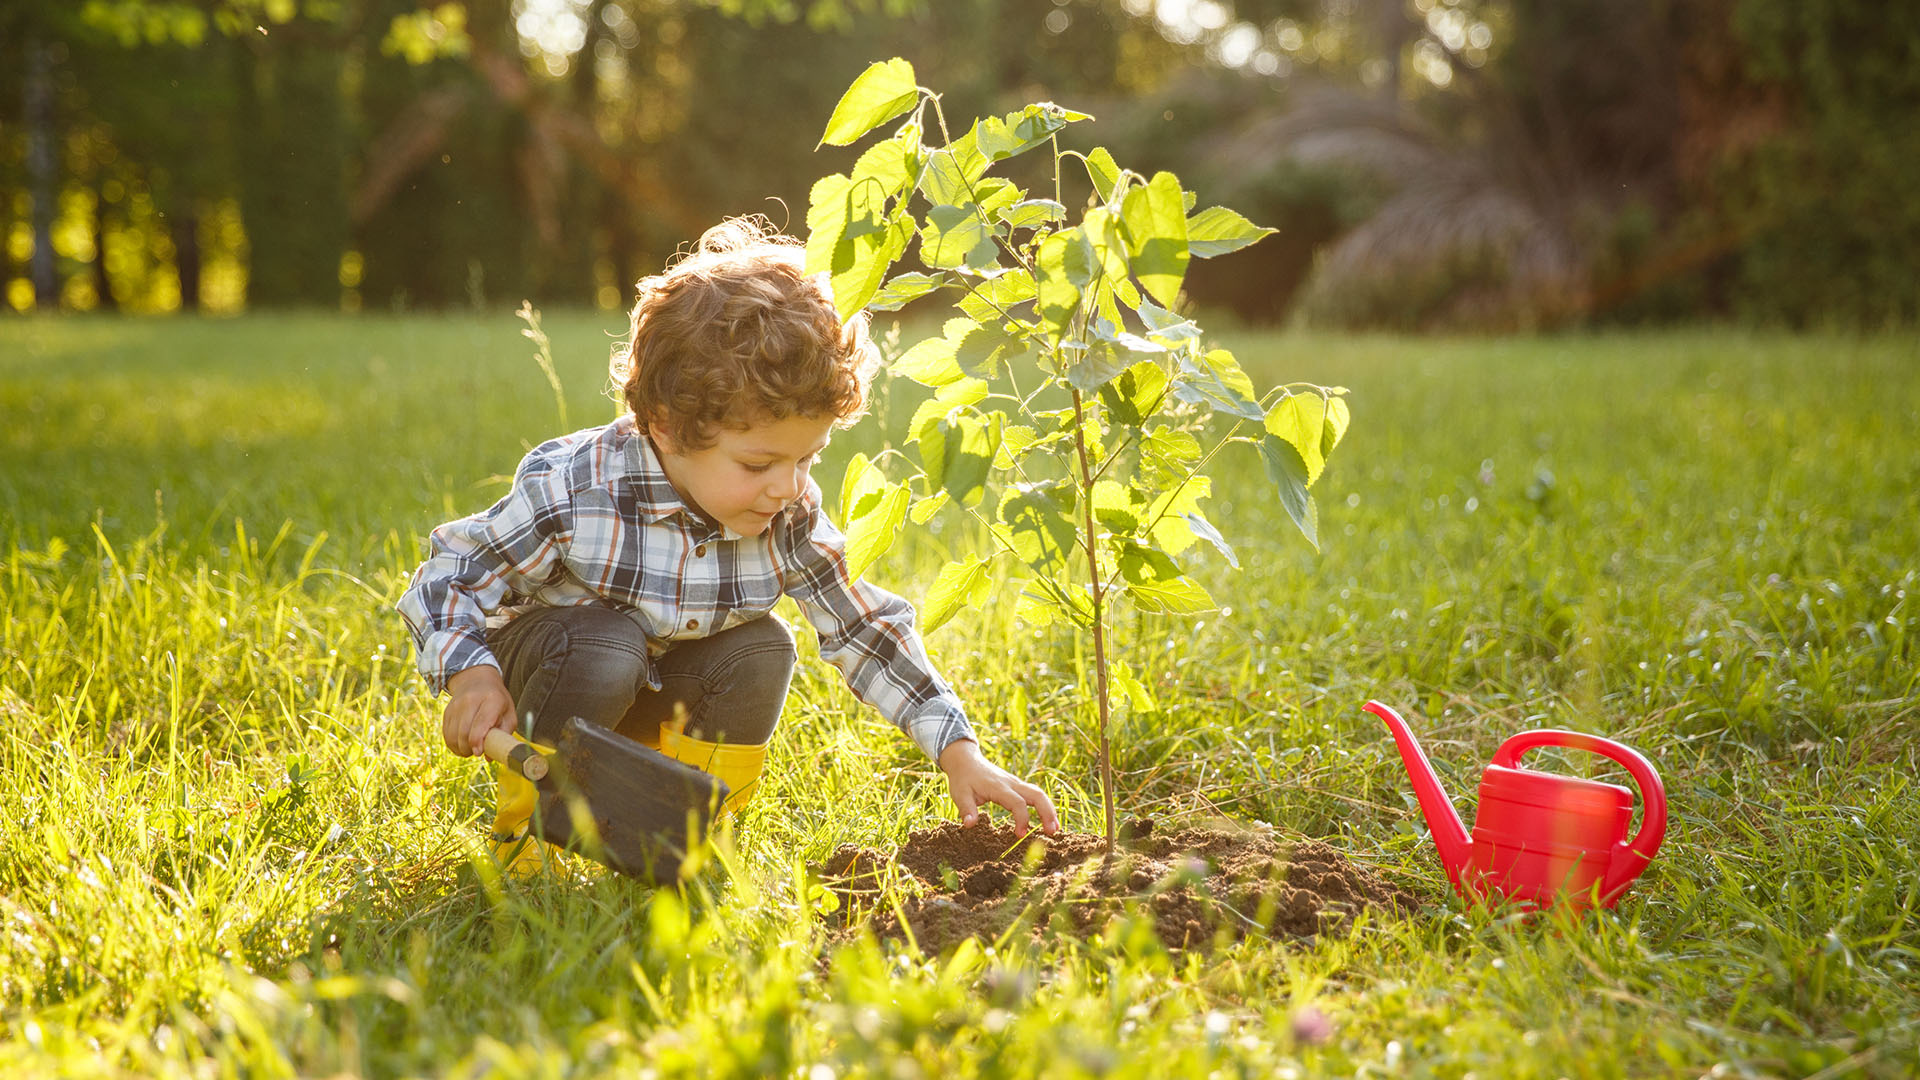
<point>1449,832</point>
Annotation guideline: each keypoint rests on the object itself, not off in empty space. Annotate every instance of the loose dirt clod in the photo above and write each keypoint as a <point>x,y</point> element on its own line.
<point>1198,885</point>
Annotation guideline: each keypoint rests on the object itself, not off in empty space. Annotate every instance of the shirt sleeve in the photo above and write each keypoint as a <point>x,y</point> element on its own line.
<point>866,632</point>
<point>475,563</point>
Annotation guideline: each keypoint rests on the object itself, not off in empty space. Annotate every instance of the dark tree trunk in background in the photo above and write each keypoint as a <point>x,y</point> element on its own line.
<point>293,198</point>
<point>623,245</point>
<point>102,284</point>
<point>41,181</point>
<point>185,223</point>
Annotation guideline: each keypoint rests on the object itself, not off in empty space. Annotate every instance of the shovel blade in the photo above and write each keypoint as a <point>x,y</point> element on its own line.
<point>624,804</point>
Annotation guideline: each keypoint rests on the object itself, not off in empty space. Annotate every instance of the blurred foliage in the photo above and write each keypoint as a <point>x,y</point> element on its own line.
<point>1430,163</point>
<point>1830,198</point>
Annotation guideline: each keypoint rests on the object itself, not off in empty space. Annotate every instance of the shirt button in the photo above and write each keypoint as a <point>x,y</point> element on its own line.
<point>699,551</point>
<point>693,624</point>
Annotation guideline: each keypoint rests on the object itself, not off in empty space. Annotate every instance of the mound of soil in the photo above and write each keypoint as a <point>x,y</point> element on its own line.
<point>1198,885</point>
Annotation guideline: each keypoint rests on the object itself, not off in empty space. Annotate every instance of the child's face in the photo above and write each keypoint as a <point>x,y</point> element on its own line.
<point>746,477</point>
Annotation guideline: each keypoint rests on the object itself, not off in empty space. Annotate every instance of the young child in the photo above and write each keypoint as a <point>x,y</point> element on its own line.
<point>633,567</point>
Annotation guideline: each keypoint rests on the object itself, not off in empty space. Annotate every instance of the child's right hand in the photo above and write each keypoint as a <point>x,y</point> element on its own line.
<point>480,703</point>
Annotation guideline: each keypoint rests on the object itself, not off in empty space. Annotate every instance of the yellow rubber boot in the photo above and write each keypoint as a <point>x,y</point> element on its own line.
<point>516,851</point>
<point>737,766</point>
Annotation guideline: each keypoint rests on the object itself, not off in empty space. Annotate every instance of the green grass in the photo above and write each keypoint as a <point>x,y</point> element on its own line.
<point>232,846</point>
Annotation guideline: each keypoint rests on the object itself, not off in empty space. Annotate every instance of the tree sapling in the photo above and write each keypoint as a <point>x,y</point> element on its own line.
<point>1068,387</point>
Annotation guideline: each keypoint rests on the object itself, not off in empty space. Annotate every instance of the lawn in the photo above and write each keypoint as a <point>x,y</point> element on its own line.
<point>233,846</point>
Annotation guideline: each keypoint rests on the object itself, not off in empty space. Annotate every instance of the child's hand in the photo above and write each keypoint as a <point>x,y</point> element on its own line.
<point>480,704</point>
<point>974,781</point>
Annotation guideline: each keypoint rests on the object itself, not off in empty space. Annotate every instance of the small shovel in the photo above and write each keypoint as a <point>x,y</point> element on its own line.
<point>612,799</point>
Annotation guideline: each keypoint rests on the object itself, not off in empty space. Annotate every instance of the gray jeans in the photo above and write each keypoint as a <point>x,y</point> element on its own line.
<point>592,662</point>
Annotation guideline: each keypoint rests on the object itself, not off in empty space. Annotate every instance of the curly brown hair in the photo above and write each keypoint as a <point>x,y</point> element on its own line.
<point>737,333</point>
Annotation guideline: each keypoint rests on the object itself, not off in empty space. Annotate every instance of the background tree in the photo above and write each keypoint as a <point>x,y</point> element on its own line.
<point>1481,163</point>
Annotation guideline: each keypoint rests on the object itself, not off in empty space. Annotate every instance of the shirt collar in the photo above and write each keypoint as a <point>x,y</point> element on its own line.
<point>656,499</point>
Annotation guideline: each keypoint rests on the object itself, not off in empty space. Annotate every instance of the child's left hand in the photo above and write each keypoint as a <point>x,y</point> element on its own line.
<point>974,782</point>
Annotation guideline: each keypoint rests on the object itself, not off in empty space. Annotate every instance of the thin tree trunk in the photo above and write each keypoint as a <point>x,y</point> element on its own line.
<point>102,284</point>
<point>186,255</point>
<point>1099,617</point>
<point>41,180</point>
<point>8,268</point>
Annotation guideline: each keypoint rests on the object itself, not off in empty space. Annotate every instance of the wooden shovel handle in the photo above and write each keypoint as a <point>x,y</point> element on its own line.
<point>519,756</point>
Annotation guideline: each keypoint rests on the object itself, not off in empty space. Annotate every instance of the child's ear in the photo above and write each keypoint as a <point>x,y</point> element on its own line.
<point>658,433</point>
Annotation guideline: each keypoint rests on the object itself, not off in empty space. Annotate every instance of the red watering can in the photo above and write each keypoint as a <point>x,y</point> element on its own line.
<point>1539,837</point>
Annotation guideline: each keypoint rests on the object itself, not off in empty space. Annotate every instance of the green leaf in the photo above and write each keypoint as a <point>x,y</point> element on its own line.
<point>1109,352</point>
<point>1039,527</point>
<point>1016,133</point>
<point>985,350</point>
<point>960,584</point>
<point>1288,472</point>
<point>1139,698</point>
<point>1033,213</point>
<point>952,396</point>
<point>1109,246</point>
<point>1066,263</point>
<point>1216,380</point>
<point>950,235</point>
<point>1014,443</point>
<point>952,171</point>
<point>1176,447</point>
<point>1139,563</point>
<point>924,510</point>
<point>1161,467</point>
<point>853,289</point>
<point>992,299</point>
<point>1109,306</point>
<point>873,533</point>
<point>883,91</point>
<point>1157,236</point>
<point>1134,396</point>
<point>929,363</point>
<point>1114,334</point>
<point>932,441</point>
<point>1168,513</point>
<point>828,204</point>
<point>1043,603</point>
<point>1180,596</point>
<point>957,452</point>
<point>888,167</point>
<point>1117,507</point>
<point>860,489</point>
<point>932,362</point>
<point>955,236</point>
<point>1312,425</point>
<point>1103,171</point>
<point>1336,426</point>
<point>1218,230</point>
<point>968,468</point>
<point>904,289</point>
<point>1156,582</point>
<point>852,239</point>
<point>1036,610</point>
<point>1167,327</point>
<point>1204,530</point>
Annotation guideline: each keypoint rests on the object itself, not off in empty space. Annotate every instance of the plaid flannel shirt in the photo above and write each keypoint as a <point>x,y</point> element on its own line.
<point>592,519</point>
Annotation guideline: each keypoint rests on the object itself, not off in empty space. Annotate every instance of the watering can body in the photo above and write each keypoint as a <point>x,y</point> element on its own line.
<point>1540,838</point>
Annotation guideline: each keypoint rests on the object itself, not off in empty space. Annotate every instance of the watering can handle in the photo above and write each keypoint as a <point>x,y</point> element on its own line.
<point>1653,825</point>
